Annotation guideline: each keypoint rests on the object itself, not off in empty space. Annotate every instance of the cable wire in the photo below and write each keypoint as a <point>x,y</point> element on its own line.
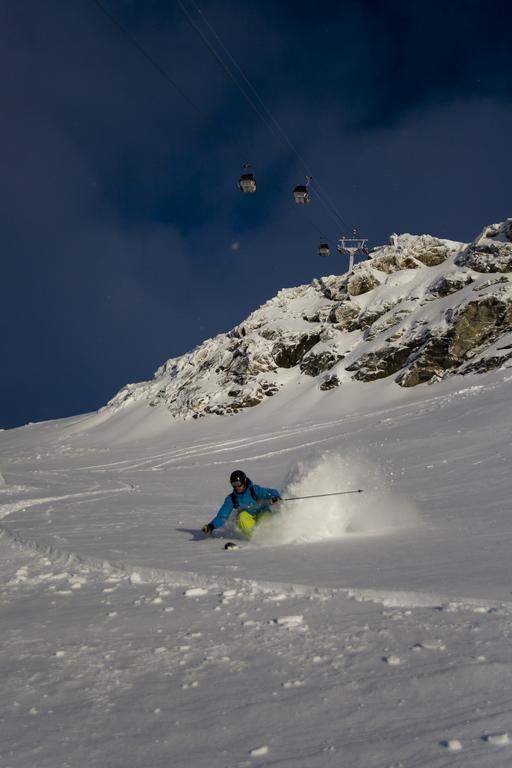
<point>269,119</point>
<point>220,60</point>
<point>146,55</point>
<point>264,113</point>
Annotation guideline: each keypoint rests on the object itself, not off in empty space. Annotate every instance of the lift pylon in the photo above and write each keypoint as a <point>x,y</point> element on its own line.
<point>350,246</point>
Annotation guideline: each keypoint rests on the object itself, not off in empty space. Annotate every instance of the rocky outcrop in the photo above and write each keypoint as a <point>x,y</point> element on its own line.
<point>432,252</point>
<point>489,362</point>
<point>418,310</point>
<point>472,325</point>
<point>289,352</point>
<point>491,251</point>
<point>390,262</point>
<point>362,281</point>
<point>316,363</point>
<point>487,257</point>
<point>346,316</point>
<point>330,382</point>
<point>501,231</point>
<point>404,251</point>
<point>380,363</point>
<point>389,320</point>
<point>431,361</point>
<point>450,283</point>
<point>479,322</point>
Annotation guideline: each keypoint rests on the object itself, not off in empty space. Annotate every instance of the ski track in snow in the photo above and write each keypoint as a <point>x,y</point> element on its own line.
<point>110,662</point>
<point>26,503</point>
<point>163,459</point>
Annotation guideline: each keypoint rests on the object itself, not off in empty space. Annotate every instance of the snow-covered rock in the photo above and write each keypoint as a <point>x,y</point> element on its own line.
<point>491,251</point>
<point>419,309</point>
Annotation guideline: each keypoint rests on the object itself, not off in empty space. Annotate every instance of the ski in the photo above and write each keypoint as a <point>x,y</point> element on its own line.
<point>231,545</point>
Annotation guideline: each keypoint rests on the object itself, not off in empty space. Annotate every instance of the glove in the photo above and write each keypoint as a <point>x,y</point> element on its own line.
<point>275,499</point>
<point>207,529</point>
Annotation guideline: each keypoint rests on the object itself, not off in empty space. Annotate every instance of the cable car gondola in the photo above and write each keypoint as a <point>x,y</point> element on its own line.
<point>247,182</point>
<point>323,248</point>
<point>301,193</point>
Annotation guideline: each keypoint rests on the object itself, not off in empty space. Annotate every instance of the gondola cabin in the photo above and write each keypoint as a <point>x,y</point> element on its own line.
<point>301,194</point>
<point>247,182</point>
<point>323,249</point>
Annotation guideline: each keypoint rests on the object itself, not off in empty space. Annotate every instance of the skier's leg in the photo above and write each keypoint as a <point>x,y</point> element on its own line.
<point>245,522</point>
<point>262,516</point>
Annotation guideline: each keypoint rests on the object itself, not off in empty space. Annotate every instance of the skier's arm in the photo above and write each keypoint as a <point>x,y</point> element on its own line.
<point>223,513</point>
<point>267,493</point>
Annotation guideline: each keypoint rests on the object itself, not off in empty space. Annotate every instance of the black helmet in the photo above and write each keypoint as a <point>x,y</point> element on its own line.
<point>238,477</point>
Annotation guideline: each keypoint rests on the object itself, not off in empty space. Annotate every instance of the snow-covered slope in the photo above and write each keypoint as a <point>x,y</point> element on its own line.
<point>369,630</point>
<point>366,630</point>
<point>418,310</point>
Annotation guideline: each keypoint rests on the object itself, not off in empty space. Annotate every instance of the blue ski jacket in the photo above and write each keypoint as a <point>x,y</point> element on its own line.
<point>245,500</point>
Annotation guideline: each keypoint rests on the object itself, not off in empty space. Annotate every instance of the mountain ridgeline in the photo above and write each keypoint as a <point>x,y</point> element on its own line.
<point>418,310</point>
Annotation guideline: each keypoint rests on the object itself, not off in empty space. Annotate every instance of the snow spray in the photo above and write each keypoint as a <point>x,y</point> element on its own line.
<point>324,516</point>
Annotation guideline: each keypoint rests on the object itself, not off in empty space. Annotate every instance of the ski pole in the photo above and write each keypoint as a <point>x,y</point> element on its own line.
<point>318,495</point>
<point>262,502</point>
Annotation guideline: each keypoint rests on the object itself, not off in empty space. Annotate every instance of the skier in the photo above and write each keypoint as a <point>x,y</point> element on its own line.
<point>250,501</point>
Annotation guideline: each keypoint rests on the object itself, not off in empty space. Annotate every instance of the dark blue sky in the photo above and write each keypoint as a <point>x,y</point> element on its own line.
<point>124,240</point>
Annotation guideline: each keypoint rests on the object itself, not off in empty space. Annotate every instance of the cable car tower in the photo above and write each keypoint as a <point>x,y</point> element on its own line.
<point>351,246</point>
